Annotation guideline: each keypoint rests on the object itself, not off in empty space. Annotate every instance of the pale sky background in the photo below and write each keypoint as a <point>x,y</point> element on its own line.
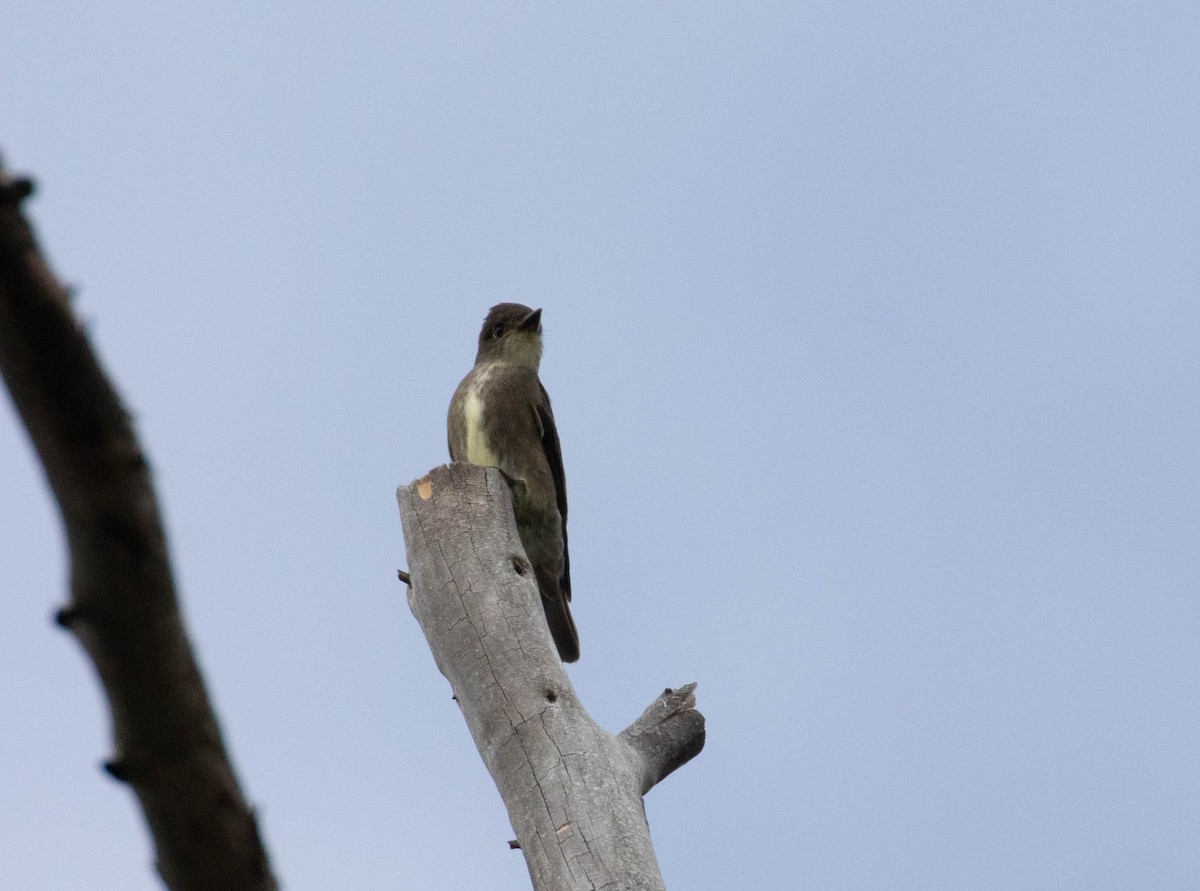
<point>871,332</point>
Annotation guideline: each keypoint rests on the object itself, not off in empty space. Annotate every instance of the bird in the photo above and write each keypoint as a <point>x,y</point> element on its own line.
<point>500,416</point>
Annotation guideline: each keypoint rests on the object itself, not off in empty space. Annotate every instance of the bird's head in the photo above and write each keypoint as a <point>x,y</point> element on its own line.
<point>511,333</point>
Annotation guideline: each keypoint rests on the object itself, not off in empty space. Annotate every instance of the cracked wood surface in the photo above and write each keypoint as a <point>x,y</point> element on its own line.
<point>573,791</point>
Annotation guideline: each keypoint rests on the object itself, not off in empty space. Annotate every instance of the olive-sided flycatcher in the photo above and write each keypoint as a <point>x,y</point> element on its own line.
<point>500,417</point>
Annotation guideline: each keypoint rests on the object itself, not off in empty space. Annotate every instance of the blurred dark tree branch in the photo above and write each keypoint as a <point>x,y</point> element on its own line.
<point>123,607</point>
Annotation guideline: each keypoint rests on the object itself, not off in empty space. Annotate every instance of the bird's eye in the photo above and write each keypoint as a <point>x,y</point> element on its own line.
<point>497,330</point>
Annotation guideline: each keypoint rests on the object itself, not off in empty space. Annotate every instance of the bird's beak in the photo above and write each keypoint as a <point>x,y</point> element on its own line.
<point>531,322</point>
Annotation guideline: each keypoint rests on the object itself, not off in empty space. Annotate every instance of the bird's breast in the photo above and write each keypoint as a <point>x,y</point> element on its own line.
<point>479,449</point>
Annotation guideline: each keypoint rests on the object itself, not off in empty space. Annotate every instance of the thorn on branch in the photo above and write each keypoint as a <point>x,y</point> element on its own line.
<point>66,617</point>
<point>118,770</point>
<point>14,191</point>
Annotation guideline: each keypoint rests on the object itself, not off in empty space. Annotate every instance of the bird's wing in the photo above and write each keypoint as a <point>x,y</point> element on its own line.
<point>553,451</point>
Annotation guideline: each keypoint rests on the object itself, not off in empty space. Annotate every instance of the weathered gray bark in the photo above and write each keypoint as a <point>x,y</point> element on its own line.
<point>573,791</point>
<point>123,607</point>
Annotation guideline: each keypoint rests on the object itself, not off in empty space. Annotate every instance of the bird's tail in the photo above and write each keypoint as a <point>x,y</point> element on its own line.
<point>562,627</point>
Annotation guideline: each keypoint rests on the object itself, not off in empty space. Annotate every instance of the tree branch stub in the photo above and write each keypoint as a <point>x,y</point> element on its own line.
<point>573,791</point>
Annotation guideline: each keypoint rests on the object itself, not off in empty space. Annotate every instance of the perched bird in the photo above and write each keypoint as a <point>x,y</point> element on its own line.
<point>500,417</point>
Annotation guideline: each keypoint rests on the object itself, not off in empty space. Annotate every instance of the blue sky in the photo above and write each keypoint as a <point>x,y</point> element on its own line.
<point>871,336</point>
